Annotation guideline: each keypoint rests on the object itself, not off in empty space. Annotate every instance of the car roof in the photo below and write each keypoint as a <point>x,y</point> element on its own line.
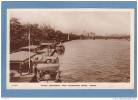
<point>21,55</point>
<point>51,57</point>
<point>31,47</point>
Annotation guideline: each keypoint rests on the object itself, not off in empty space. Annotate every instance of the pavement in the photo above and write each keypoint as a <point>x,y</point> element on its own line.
<point>25,77</point>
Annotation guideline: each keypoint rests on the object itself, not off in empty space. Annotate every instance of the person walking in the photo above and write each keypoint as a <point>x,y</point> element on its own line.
<point>35,69</point>
<point>58,77</point>
<point>34,79</point>
<point>47,76</point>
<point>31,67</point>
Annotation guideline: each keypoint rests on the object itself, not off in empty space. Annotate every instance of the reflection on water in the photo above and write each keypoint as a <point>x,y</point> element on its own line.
<point>96,61</point>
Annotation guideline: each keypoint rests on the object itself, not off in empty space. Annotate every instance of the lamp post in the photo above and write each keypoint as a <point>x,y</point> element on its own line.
<point>29,42</point>
<point>29,50</point>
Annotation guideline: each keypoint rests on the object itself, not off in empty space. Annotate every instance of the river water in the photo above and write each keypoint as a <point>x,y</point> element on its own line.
<point>96,61</point>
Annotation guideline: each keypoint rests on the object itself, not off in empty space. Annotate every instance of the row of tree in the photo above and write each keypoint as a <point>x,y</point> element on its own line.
<point>19,34</point>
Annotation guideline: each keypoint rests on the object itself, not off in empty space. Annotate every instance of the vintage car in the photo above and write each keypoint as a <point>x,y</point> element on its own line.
<point>49,66</point>
<point>60,49</point>
<point>19,60</point>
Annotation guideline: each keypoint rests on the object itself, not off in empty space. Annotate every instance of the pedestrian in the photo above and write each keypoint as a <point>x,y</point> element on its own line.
<point>58,77</point>
<point>47,76</point>
<point>31,66</point>
<point>34,79</point>
<point>35,69</point>
<point>20,70</point>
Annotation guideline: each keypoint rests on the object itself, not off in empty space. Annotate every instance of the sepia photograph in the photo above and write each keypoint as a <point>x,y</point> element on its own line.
<point>64,46</point>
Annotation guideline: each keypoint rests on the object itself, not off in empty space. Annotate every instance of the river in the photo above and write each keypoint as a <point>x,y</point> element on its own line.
<point>96,61</point>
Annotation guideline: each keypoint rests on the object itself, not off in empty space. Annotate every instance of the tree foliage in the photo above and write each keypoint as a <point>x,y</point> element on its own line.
<point>39,33</point>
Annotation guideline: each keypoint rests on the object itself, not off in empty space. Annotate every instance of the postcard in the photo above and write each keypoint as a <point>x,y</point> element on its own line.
<point>76,48</point>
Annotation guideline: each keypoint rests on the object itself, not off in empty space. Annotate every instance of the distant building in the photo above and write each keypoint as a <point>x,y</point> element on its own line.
<point>91,35</point>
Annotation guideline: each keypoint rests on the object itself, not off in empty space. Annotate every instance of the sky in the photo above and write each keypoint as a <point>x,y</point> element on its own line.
<point>78,21</point>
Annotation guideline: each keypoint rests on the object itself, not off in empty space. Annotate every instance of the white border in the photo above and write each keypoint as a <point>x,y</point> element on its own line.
<point>90,85</point>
